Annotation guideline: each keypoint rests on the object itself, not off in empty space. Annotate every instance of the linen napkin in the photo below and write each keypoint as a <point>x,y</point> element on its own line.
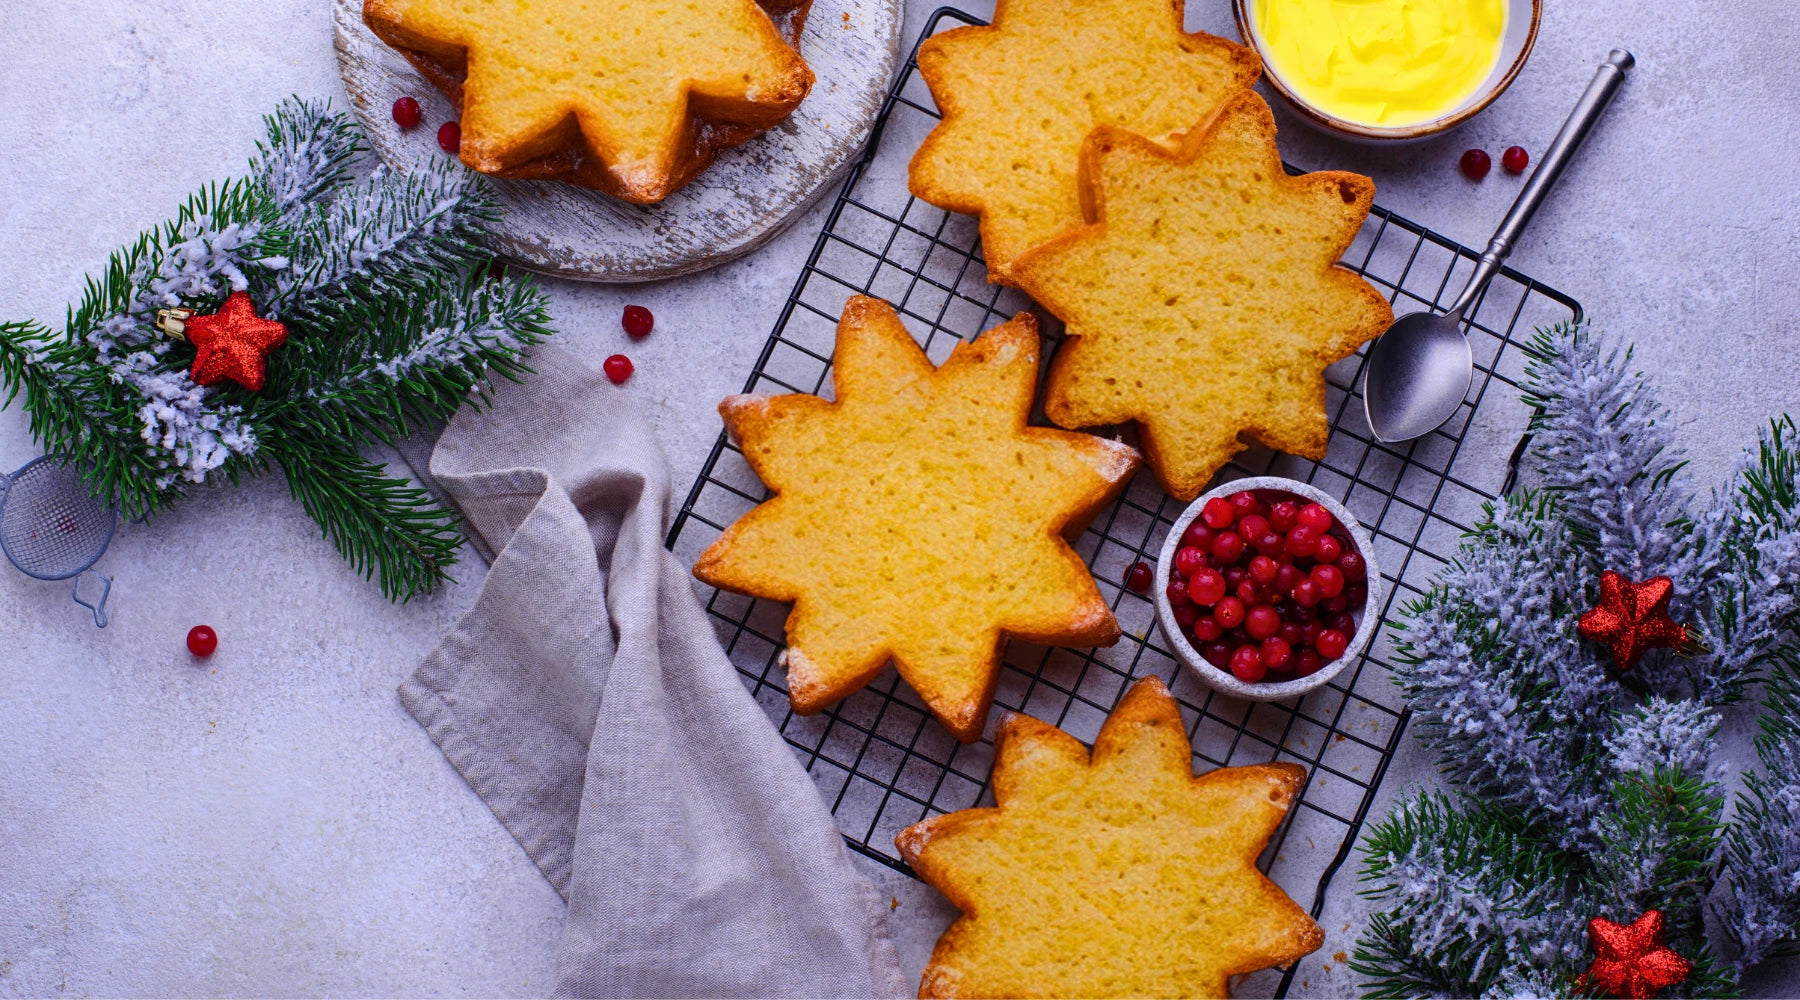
<point>586,698</point>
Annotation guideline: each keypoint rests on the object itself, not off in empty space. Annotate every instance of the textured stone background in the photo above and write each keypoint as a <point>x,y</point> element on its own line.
<point>274,822</point>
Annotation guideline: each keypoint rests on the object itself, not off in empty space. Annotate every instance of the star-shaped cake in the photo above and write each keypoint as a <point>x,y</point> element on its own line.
<point>631,98</point>
<point>1116,874</point>
<point>1020,95</point>
<point>917,518</point>
<point>1205,299</point>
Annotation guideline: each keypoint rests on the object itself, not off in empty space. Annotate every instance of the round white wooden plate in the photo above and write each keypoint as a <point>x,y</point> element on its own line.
<point>731,208</point>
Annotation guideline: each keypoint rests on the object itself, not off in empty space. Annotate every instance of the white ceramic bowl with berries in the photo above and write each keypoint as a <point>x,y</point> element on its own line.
<point>1294,600</point>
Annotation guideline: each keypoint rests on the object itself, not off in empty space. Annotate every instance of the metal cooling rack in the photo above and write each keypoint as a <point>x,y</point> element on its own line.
<point>881,760</point>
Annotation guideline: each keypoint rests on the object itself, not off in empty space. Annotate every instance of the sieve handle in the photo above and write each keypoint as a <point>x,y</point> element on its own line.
<point>99,608</point>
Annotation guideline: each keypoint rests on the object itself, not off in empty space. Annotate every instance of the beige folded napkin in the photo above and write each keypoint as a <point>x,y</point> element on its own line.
<point>587,700</point>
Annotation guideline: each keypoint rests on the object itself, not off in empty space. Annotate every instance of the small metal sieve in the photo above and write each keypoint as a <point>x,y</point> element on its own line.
<point>52,528</point>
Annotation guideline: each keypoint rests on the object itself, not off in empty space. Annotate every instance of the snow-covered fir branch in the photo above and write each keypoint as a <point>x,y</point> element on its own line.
<point>309,152</point>
<point>1661,735</point>
<point>1761,911</point>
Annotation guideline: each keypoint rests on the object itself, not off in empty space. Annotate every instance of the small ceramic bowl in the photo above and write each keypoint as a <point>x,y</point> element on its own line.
<point>1224,681</point>
<point>1522,17</point>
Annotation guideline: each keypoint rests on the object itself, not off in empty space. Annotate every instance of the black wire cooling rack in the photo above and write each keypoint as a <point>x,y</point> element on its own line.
<point>881,760</point>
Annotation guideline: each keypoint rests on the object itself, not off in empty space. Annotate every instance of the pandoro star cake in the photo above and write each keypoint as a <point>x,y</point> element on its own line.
<point>633,99</point>
<point>916,518</point>
<point>1115,874</point>
<point>1204,299</point>
<point>1018,96</point>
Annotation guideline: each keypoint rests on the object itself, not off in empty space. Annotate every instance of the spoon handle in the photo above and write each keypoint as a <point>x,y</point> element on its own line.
<point>1581,121</point>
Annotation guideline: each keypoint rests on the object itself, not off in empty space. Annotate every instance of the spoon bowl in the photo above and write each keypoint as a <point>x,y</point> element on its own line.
<point>1419,373</point>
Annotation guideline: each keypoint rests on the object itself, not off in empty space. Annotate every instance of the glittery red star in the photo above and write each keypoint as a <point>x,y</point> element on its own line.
<point>1630,961</point>
<point>232,343</point>
<point>1632,617</point>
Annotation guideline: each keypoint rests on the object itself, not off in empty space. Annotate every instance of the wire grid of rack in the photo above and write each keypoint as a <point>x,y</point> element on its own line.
<point>880,759</point>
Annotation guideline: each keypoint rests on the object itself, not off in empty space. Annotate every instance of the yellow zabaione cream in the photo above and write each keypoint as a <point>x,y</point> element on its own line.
<point>1382,62</point>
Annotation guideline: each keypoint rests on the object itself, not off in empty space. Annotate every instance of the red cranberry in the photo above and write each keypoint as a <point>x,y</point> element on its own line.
<point>1307,662</point>
<point>1247,664</point>
<point>202,641</point>
<point>1356,592</point>
<point>1302,542</point>
<point>1330,549</point>
<point>1293,632</point>
<point>1272,544</point>
<point>1353,566</point>
<point>1206,586</point>
<point>1185,614</point>
<point>1264,570</point>
<point>1341,621</point>
<point>1177,593</point>
<point>408,115</point>
<point>1253,527</point>
<point>1218,514</point>
<point>1261,622</point>
<point>1244,503</point>
<point>450,137</point>
<point>1197,535</point>
<point>1317,517</point>
<point>1228,547</point>
<point>1309,633</point>
<point>1332,643</point>
<point>1335,604</point>
<point>1304,613</point>
<point>1515,159</point>
<point>1329,578</point>
<point>1283,515</point>
<point>1237,637</point>
<point>1229,612</point>
<point>1276,652</point>
<point>1188,561</point>
<point>1207,630</point>
<point>1286,575</point>
<point>1249,593</point>
<point>1475,164</point>
<point>1219,654</point>
<point>1139,577</point>
<point>618,368</point>
<point>638,321</point>
<point>1306,592</point>
<point>1235,576</point>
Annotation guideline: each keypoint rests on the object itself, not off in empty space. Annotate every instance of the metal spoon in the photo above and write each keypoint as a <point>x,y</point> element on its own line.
<point>1419,370</point>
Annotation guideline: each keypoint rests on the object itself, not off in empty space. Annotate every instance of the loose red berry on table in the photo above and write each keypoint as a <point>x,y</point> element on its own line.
<point>407,113</point>
<point>1515,159</point>
<point>1228,547</point>
<point>1330,548</point>
<point>450,137</point>
<point>1229,612</point>
<point>1261,622</point>
<point>1189,560</point>
<point>202,641</point>
<point>618,368</point>
<point>1139,577</point>
<point>1331,644</point>
<point>1329,578</point>
<point>1218,514</point>
<point>1247,664</point>
<point>1177,593</point>
<point>1276,653</point>
<point>1475,164</point>
<point>1198,536</point>
<point>1185,615</point>
<point>638,321</point>
<point>1206,586</point>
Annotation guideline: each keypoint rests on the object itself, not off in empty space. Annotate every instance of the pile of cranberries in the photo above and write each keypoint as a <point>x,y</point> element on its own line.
<point>1266,585</point>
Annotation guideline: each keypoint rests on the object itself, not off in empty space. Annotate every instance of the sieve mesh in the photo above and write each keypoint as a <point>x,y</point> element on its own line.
<point>50,526</point>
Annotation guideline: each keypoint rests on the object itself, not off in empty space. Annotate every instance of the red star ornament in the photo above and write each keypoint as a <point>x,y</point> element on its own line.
<point>1630,960</point>
<point>233,343</point>
<point>1632,617</point>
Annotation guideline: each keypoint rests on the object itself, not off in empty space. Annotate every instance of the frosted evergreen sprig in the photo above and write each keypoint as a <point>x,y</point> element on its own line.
<point>393,319</point>
<point>1760,911</point>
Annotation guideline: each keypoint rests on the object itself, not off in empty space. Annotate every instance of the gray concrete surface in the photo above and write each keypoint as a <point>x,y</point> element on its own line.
<point>274,823</point>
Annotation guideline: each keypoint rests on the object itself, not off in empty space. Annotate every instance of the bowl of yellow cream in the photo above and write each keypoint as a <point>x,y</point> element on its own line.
<point>1389,70</point>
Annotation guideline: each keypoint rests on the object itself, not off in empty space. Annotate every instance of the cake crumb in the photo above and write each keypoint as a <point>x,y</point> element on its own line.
<point>1339,957</point>
<point>893,901</point>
